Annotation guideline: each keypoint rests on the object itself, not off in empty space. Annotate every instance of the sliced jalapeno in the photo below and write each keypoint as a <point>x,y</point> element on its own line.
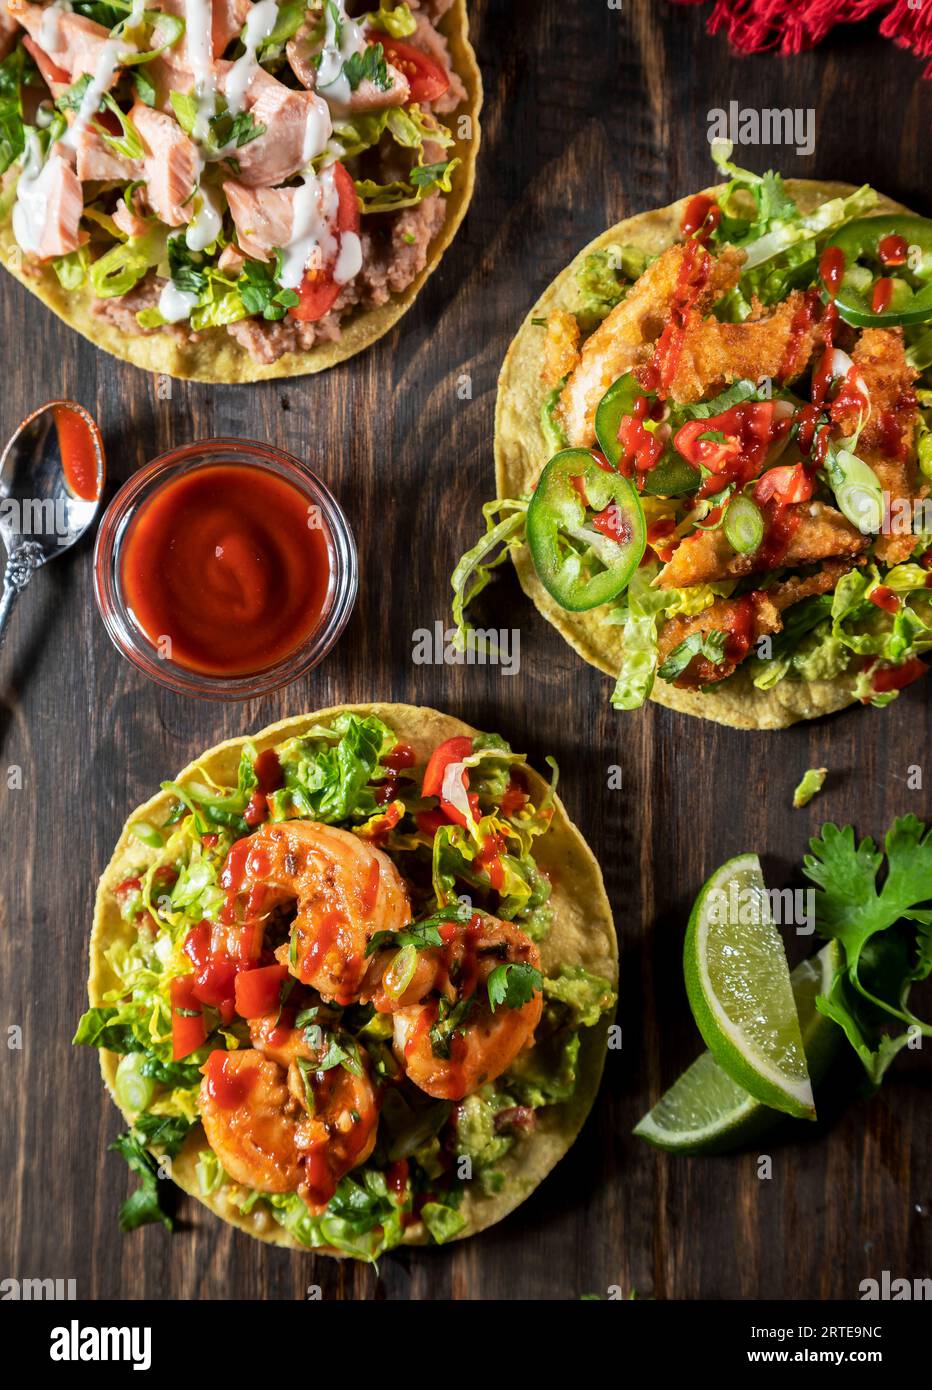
<point>585,530</point>
<point>893,253</point>
<point>671,475</point>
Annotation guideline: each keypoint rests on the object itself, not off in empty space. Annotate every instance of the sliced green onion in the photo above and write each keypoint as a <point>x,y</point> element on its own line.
<point>743,524</point>
<point>134,1091</point>
<point>147,833</point>
<point>401,971</point>
<point>857,490</point>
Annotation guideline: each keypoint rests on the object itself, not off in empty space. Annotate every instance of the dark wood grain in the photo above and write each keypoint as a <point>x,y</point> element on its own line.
<point>591,114</point>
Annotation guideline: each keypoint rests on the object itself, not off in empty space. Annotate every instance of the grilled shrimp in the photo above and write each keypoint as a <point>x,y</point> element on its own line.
<point>338,1130</point>
<point>452,1043</point>
<point>250,1120</point>
<point>345,890</point>
<point>278,1123</point>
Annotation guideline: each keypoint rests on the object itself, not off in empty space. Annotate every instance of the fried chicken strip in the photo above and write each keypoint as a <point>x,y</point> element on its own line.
<point>618,343</point>
<point>758,614</point>
<point>707,557</point>
<point>716,354</point>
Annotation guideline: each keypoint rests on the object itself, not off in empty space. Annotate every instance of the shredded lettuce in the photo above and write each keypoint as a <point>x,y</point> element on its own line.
<point>327,770</point>
<point>123,266</point>
<point>640,655</point>
<point>15,72</point>
<point>781,244</point>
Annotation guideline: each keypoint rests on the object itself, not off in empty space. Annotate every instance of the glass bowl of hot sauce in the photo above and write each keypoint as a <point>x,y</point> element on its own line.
<point>225,569</point>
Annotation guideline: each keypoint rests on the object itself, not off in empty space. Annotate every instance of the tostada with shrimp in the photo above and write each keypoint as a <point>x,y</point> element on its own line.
<point>230,190</point>
<point>714,451</point>
<point>351,981</point>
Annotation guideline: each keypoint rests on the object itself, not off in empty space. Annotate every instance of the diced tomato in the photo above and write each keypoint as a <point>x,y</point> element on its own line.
<point>259,991</point>
<point>125,890</point>
<point>214,972</point>
<point>453,750</point>
<point>425,77</point>
<point>791,482</point>
<point>732,446</point>
<point>209,840</point>
<point>429,822</point>
<point>318,290</point>
<point>189,1031</point>
<point>612,524</point>
<point>897,677</point>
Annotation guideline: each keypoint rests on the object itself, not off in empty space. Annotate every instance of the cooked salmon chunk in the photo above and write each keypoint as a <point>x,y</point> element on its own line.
<point>302,51</point>
<point>263,217</point>
<point>707,557</point>
<point>227,20</point>
<point>57,192</point>
<point>618,344</point>
<point>96,159</point>
<point>171,166</point>
<point>71,42</point>
<point>296,128</point>
<point>9,28</point>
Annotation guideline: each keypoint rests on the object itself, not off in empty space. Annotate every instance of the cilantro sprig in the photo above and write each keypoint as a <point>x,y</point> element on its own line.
<point>513,985</point>
<point>421,935</point>
<point>885,933</point>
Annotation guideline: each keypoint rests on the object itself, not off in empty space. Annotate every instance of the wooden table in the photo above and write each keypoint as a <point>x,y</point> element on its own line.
<point>591,114</point>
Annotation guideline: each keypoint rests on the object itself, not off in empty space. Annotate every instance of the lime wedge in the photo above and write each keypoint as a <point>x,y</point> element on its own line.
<point>738,983</point>
<point>706,1112</point>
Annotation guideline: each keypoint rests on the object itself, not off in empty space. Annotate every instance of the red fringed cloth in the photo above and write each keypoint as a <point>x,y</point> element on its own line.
<point>790,26</point>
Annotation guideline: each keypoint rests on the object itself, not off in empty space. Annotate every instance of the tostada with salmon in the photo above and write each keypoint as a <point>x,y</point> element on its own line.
<point>230,190</point>
<point>352,982</point>
<point>714,453</point>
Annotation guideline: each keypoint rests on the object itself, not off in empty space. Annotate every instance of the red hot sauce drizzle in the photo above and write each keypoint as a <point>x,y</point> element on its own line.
<point>657,375</point>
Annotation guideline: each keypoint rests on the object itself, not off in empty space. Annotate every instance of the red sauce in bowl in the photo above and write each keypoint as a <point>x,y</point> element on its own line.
<point>230,564</point>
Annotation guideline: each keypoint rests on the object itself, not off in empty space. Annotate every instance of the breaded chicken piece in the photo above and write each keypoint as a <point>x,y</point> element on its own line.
<point>795,589</point>
<point>723,614</point>
<point>888,441</point>
<point>618,343</point>
<point>716,354</point>
<point>707,557</point>
<point>561,346</point>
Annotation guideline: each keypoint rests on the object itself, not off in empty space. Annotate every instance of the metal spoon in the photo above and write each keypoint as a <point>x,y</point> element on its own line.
<point>40,515</point>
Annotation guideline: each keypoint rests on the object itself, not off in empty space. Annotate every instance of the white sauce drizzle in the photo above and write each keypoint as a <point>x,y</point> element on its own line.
<point>30,211</point>
<point>174,304</point>
<point>50,26</point>
<point>313,216</point>
<point>260,23</point>
<point>107,64</point>
<point>206,224</point>
<point>332,82</point>
<point>198,32</point>
<point>349,261</point>
<point>318,130</point>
